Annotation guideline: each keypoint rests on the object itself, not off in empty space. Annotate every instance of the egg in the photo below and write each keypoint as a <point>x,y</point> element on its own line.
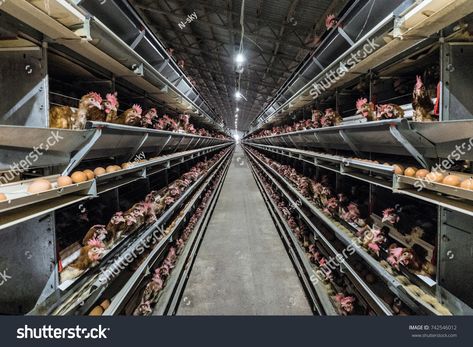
<point>467,184</point>
<point>3,197</point>
<point>434,176</point>
<point>117,167</point>
<point>97,311</point>
<point>111,168</point>
<point>78,177</point>
<point>99,171</point>
<point>105,304</point>
<point>452,180</point>
<point>410,171</point>
<point>90,174</point>
<point>398,169</point>
<point>39,185</point>
<point>127,165</point>
<point>63,181</point>
<point>422,173</point>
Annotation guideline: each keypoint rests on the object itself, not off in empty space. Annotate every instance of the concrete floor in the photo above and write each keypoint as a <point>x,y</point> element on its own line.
<point>242,267</point>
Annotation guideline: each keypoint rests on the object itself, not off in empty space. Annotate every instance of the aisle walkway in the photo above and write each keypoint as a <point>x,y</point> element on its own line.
<point>242,267</point>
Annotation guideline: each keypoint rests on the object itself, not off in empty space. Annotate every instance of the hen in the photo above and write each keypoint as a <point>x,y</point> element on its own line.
<point>421,103</point>
<point>89,257</point>
<point>66,117</point>
<point>389,111</point>
<point>316,118</point>
<point>330,118</point>
<point>132,116</point>
<point>99,232</point>
<point>150,119</point>
<point>366,109</point>
<point>331,21</point>
<point>110,106</point>
<point>183,122</point>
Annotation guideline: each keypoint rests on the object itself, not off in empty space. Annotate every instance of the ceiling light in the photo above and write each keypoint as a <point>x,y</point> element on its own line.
<point>238,95</point>
<point>240,58</point>
<point>237,109</point>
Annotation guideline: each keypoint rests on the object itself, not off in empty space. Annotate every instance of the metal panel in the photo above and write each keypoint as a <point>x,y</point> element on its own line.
<point>456,254</point>
<point>457,73</point>
<point>18,143</point>
<point>28,258</point>
<point>24,88</point>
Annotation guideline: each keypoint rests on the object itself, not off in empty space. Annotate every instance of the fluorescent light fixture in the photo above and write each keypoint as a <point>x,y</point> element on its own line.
<point>240,58</point>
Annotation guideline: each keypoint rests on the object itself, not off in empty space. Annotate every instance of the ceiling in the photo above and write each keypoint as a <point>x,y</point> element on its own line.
<point>278,36</point>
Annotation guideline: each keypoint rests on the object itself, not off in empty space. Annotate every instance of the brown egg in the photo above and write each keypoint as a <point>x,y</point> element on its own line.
<point>398,169</point>
<point>63,181</point>
<point>111,168</point>
<point>410,171</point>
<point>90,174</point>
<point>105,304</point>
<point>97,311</point>
<point>422,173</point>
<point>467,184</point>
<point>99,171</point>
<point>78,177</point>
<point>452,180</point>
<point>3,197</point>
<point>117,167</point>
<point>434,176</point>
<point>39,185</point>
<point>127,165</point>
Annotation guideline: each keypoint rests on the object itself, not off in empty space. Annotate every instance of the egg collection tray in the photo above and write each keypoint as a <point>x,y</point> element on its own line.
<point>404,182</point>
<point>18,196</point>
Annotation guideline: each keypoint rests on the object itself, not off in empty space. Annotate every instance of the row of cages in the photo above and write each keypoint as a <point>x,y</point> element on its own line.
<point>82,147</point>
<point>419,250</point>
<point>64,253</point>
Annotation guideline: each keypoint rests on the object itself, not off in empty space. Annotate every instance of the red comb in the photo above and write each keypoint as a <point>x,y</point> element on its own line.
<point>419,83</point>
<point>329,21</point>
<point>112,98</point>
<point>137,109</point>
<point>361,102</point>
<point>96,96</point>
<point>96,243</point>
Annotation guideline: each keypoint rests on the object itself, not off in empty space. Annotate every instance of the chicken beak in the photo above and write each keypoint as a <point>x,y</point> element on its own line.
<point>97,104</point>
